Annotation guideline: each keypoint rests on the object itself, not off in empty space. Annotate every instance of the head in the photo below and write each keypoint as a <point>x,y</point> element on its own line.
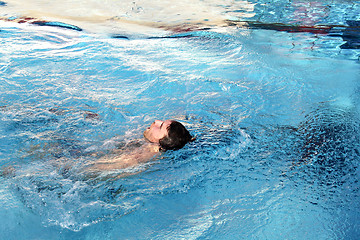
<point>168,134</point>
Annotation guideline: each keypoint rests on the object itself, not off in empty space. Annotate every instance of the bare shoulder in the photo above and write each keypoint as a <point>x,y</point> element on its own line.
<point>125,158</point>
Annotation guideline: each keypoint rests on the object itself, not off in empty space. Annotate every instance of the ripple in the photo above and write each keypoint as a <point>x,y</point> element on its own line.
<point>277,131</point>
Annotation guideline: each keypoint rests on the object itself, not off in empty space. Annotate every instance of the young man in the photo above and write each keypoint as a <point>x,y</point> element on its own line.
<point>160,136</point>
<point>168,134</point>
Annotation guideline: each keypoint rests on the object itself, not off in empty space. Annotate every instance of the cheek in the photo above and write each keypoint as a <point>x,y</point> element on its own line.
<point>156,134</point>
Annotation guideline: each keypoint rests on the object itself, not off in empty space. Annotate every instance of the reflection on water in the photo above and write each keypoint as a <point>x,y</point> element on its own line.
<point>327,164</point>
<point>129,17</point>
<point>329,150</point>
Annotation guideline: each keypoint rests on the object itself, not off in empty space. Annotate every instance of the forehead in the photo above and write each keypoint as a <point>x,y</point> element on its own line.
<point>167,123</point>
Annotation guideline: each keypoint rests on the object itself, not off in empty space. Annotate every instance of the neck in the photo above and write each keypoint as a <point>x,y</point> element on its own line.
<point>151,147</point>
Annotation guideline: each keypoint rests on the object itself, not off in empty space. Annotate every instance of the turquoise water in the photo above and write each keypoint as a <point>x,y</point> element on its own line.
<point>275,113</point>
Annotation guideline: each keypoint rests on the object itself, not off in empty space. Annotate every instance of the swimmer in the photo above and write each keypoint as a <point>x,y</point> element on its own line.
<point>160,136</point>
<point>169,134</point>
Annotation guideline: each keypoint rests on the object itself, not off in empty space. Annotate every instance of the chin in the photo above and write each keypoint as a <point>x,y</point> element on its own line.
<point>146,136</point>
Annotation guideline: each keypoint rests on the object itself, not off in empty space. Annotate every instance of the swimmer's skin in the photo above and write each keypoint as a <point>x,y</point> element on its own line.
<point>126,159</point>
<point>145,153</point>
<point>142,152</point>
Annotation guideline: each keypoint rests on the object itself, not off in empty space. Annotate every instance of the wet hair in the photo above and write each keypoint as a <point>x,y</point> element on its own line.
<point>176,138</point>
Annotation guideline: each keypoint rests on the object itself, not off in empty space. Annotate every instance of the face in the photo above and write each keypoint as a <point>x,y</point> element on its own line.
<point>157,130</point>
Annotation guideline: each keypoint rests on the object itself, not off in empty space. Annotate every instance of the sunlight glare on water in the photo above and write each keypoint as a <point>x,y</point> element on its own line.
<point>140,17</point>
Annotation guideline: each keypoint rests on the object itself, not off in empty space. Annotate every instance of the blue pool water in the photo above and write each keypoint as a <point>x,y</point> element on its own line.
<point>275,111</point>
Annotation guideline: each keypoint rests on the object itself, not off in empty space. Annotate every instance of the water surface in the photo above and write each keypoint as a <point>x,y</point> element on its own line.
<point>275,113</point>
